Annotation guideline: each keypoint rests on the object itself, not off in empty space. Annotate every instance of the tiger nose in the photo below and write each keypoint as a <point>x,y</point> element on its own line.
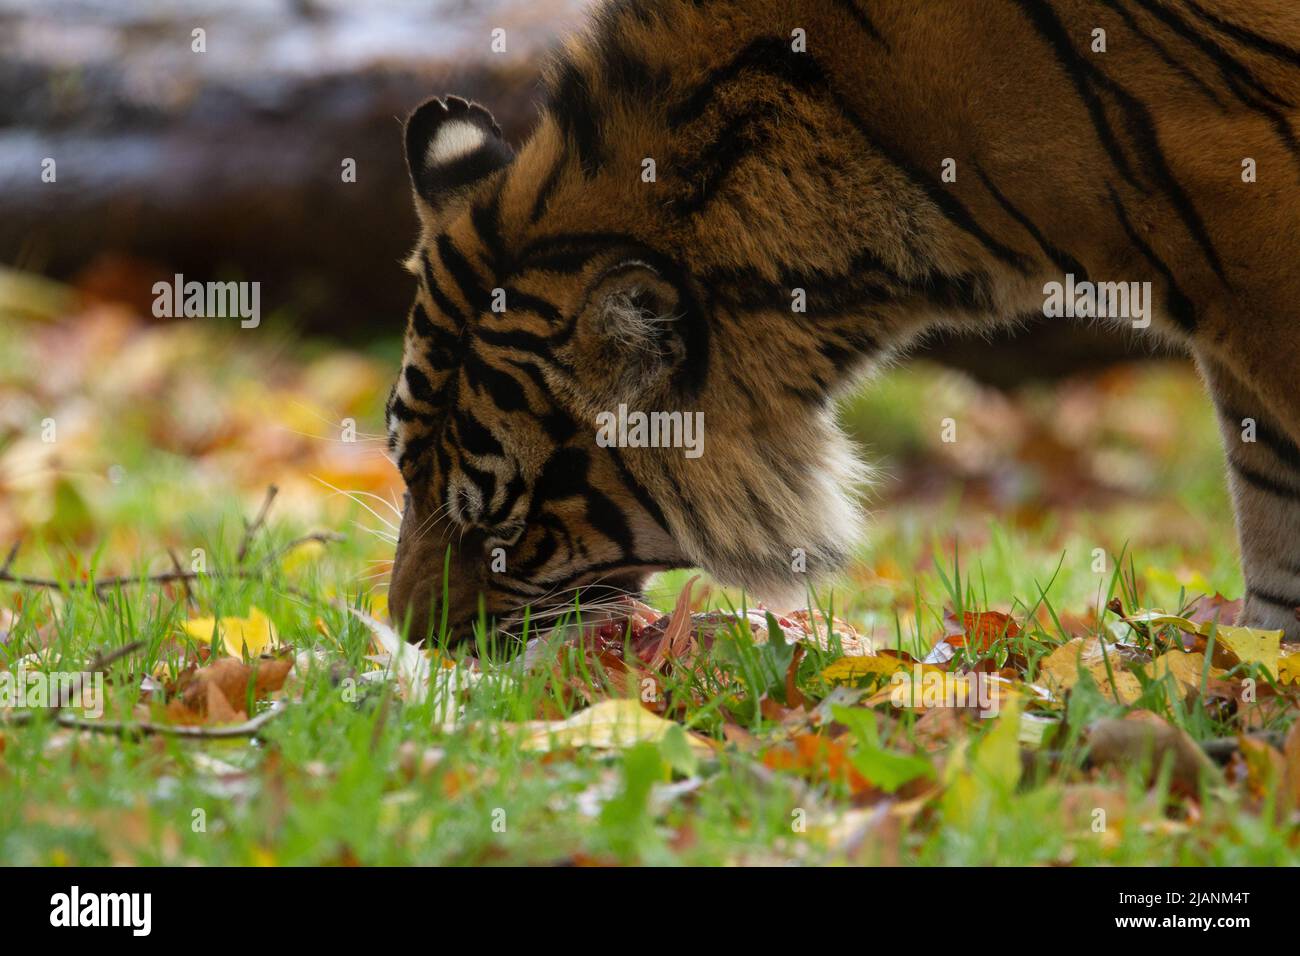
<point>420,596</point>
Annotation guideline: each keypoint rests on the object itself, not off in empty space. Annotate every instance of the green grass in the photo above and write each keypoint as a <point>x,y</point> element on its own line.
<point>348,773</point>
<point>344,777</point>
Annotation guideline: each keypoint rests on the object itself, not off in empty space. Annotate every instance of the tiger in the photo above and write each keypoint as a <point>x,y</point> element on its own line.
<point>741,209</point>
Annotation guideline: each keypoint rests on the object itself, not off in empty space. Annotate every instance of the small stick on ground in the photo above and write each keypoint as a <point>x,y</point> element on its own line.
<point>96,663</point>
<point>185,582</point>
<point>13,554</point>
<point>250,530</point>
<point>138,729</point>
<point>170,577</point>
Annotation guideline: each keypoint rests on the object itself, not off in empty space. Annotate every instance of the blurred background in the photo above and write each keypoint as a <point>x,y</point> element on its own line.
<point>226,165</point>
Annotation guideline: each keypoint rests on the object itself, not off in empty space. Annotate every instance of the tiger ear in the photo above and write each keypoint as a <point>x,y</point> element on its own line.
<point>450,145</point>
<point>636,320</point>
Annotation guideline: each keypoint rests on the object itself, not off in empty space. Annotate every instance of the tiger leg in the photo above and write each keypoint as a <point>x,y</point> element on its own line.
<point>1263,455</point>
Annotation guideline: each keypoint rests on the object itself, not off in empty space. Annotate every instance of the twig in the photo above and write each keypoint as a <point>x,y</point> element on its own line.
<point>250,530</point>
<point>13,554</point>
<point>96,663</point>
<point>138,729</point>
<point>1218,749</point>
<point>189,594</point>
<point>168,577</point>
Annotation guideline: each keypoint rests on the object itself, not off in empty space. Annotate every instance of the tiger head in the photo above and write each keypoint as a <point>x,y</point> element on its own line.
<point>556,298</point>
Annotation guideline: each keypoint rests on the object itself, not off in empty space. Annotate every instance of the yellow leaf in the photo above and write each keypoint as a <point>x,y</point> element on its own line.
<point>996,761</point>
<point>1059,671</point>
<point>241,636</point>
<point>1288,668</point>
<point>302,557</point>
<point>848,670</point>
<point>1186,669</point>
<point>1250,645</point>
<point>998,757</point>
<point>609,724</point>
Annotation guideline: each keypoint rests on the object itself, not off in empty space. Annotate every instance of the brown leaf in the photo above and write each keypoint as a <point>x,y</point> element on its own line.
<point>1141,736</point>
<point>218,693</point>
<point>740,738</point>
<point>1218,608</point>
<point>978,631</point>
<point>793,696</point>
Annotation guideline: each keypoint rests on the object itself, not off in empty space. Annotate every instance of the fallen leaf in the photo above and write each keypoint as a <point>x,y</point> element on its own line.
<point>249,636</point>
<point>1141,735</point>
<point>1186,669</point>
<point>1059,671</point>
<point>218,693</point>
<point>608,725</point>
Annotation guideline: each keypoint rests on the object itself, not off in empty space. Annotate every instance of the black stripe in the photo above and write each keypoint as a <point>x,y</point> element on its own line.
<point>1138,120</point>
<point>463,274</point>
<point>639,491</point>
<point>1082,74</point>
<point>413,449</point>
<point>563,476</point>
<point>417,383</point>
<point>1280,444</point>
<point>506,393</point>
<point>1236,75</point>
<point>738,138</point>
<point>570,253</point>
<point>440,299</point>
<point>860,17</point>
<point>770,55</point>
<point>433,335</point>
<point>532,303</point>
<point>1061,259</point>
<point>474,437</point>
<point>403,412</point>
<point>544,194</point>
<point>1178,305</point>
<point>515,339</point>
<point>1277,600</point>
<point>514,488</point>
<point>626,73</point>
<point>607,518</point>
<point>1248,37</point>
<point>487,223</point>
<point>484,481</point>
<point>1163,52</point>
<point>572,104</point>
<point>1262,482</point>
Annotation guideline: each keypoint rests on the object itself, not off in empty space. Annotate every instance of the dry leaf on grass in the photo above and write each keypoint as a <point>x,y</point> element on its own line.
<point>242,637</point>
<point>218,693</point>
<point>1142,736</point>
<point>1240,645</point>
<point>1059,671</point>
<point>608,725</point>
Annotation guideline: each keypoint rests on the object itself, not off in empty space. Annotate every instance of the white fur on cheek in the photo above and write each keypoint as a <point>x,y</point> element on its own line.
<point>454,140</point>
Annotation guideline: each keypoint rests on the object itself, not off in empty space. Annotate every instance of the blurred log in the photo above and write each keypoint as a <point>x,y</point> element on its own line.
<point>227,163</point>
